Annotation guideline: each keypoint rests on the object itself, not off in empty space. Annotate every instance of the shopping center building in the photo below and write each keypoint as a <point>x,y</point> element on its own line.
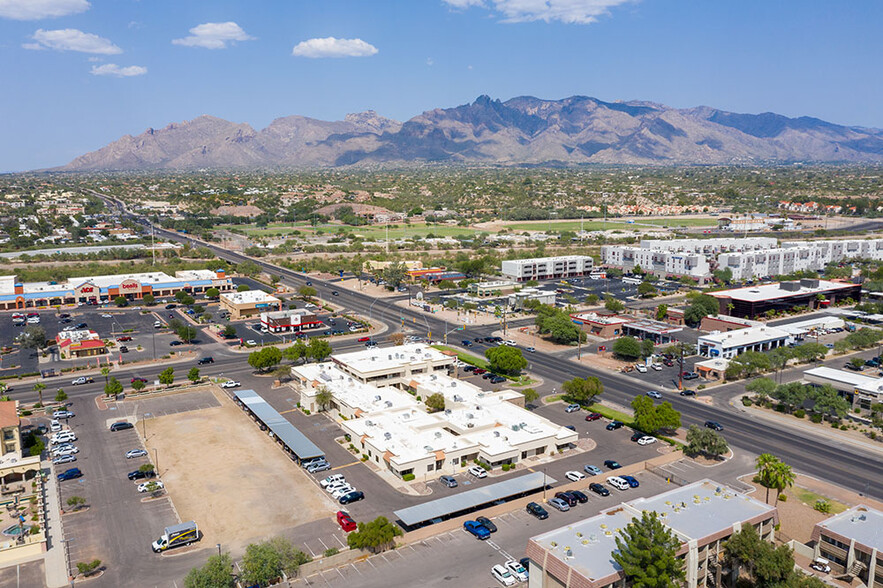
<point>249,303</point>
<point>99,289</point>
<point>288,321</point>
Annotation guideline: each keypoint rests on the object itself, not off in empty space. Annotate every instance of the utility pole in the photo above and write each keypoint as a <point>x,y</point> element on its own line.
<point>680,365</point>
<point>153,242</point>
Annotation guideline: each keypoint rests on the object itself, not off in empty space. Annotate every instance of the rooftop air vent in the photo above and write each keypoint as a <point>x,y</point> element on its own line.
<point>387,435</point>
<point>377,398</point>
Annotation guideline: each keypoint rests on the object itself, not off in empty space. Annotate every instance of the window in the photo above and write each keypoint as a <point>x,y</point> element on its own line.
<point>430,467</point>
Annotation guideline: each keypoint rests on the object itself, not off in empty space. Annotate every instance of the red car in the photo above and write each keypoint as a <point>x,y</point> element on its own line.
<point>137,379</point>
<point>593,416</point>
<point>124,338</point>
<point>345,521</point>
<point>480,371</point>
<point>363,339</point>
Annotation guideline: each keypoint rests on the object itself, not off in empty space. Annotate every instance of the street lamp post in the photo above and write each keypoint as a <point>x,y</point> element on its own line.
<point>219,550</point>
<point>156,460</point>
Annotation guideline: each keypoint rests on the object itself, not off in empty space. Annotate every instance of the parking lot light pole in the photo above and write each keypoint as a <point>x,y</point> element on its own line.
<point>156,461</point>
<point>219,550</point>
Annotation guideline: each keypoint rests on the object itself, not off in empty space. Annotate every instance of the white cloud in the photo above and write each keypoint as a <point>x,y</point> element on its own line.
<point>566,11</point>
<point>214,35</point>
<point>331,47</point>
<point>112,69</point>
<point>72,40</point>
<point>430,62</point>
<point>37,9</point>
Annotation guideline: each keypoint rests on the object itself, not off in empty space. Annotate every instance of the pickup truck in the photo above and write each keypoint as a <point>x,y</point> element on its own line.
<point>477,529</point>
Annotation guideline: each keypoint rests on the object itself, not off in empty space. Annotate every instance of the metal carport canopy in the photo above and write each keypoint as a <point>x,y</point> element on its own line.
<point>414,515</point>
<point>296,441</point>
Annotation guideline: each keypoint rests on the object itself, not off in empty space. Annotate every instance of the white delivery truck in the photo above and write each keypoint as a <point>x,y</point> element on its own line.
<point>181,534</point>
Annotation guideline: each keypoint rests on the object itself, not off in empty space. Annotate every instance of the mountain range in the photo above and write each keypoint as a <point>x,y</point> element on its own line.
<point>520,131</point>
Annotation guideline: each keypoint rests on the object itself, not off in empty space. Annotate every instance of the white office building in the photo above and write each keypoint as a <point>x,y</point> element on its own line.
<point>732,343</point>
<point>547,268</point>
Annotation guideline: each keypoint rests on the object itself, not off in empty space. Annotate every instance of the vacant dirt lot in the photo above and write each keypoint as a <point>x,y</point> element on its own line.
<point>232,479</point>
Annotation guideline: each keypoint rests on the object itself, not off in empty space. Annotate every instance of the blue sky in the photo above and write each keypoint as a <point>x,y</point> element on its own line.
<point>80,73</point>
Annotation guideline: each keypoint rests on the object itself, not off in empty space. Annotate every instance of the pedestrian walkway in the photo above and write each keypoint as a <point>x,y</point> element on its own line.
<point>56,561</point>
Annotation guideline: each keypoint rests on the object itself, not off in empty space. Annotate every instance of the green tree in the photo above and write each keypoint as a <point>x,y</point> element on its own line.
<point>264,562</point>
<point>61,395</point>
<point>650,418</point>
<point>121,301</point>
<point>661,312</point>
<point>138,385</point>
<point>505,360</point>
<point>857,362</point>
<point>265,359</point>
<point>809,352</point>
<point>827,401</point>
<point>647,553</point>
<point>319,349</point>
<point>113,387</point>
<point>627,348</point>
<point>768,566</point>
<point>612,304</point>
<point>243,288</point>
<point>395,274</point>
<point>435,402</point>
<point>582,391</point>
<point>323,397</point>
<point>725,275</point>
<point>530,395</point>
<point>38,388</point>
<point>167,376</point>
<point>766,463</point>
<point>747,364</point>
<point>229,332</point>
<point>647,290</point>
<point>307,292</point>
<point>561,329</point>
<point>763,387</point>
<point>295,351</point>
<point>647,347</point>
<point>374,536</point>
<point>791,395</point>
<point>186,333</point>
<point>105,371</point>
<point>33,337</point>
<point>781,477</point>
<point>193,374</point>
<point>701,305</point>
<point>212,293</point>
<point>148,299</point>
<point>704,441</point>
<point>248,268</point>
<point>76,502</point>
<point>216,573</point>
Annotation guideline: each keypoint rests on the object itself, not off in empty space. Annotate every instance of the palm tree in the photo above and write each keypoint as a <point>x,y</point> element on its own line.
<point>105,371</point>
<point>765,462</point>
<point>781,476</point>
<point>39,387</point>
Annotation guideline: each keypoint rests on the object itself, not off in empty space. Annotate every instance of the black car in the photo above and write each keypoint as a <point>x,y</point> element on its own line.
<point>469,368</point>
<point>636,435</point>
<point>170,306</point>
<point>205,360</point>
<point>580,497</point>
<point>525,562</point>
<point>351,497</point>
<point>124,349</point>
<point>537,510</point>
<point>121,426</point>
<point>599,489</point>
<point>175,343</point>
<point>497,380</point>
<point>309,283</point>
<point>81,326</point>
<point>687,392</point>
<point>567,497</point>
<point>467,343</point>
<point>612,464</point>
<point>714,425</point>
<point>613,425</point>
<point>64,315</point>
<point>486,523</point>
<point>140,475</point>
<point>335,293</point>
<point>64,321</point>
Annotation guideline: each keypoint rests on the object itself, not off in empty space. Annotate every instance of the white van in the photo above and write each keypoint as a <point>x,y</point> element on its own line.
<point>618,483</point>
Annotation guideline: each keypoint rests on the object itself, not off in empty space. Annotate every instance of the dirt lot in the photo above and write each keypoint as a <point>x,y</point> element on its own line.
<point>224,473</point>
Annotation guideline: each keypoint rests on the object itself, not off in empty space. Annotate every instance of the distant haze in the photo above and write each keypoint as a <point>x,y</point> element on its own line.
<point>520,131</point>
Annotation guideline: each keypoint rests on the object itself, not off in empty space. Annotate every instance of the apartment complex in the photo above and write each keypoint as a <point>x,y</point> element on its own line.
<point>852,542</point>
<point>702,515</point>
<point>798,256</point>
<point>249,303</point>
<point>547,268</point>
<point>97,289</point>
<point>754,301</point>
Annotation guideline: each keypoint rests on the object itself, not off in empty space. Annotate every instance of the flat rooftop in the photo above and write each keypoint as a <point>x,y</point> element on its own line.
<point>862,523</point>
<point>774,291</point>
<point>853,379</point>
<point>377,359</point>
<point>656,327</point>
<point>747,336</point>
<point>599,319</point>
<point>248,297</point>
<point>352,392</point>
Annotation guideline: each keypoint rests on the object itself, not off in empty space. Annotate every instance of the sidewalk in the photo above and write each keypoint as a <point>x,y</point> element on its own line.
<point>790,421</point>
<point>55,561</point>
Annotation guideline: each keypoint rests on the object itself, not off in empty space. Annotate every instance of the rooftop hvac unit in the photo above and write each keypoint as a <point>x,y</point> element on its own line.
<point>438,434</point>
<point>469,415</point>
<point>454,384</point>
<point>432,377</point>
<point>496,433</point>
<point>470,425</point>
<point>369,423</point>
<point>447,411</point>
<point>458,398</point>
<point>377,398</point>
<point>387,435</point>
<point>390,357</point>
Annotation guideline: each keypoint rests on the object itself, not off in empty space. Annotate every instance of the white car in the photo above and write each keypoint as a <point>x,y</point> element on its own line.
<point>646,440</point>
<point>656,366</point>
<point>502,575</point>
<point>641,368</point>
<point>58,451</point>
<point>332,479</point>
<point>477,471</point>
<point>230,384</point>
<point>143,486</point>
<point>136,453</point>
<point>63,437</point>
<point>55,426</point>
<point>343,491</point>
<point>63,414</point>
<point>574,476</point>
<point>251,343</point>
<point>517,570</point>
<point>335,486</point>
<point>618,482</point>
<point>105,315</point>
<point>654,394</point>
<point>64,459</point>
<point>510,343</point>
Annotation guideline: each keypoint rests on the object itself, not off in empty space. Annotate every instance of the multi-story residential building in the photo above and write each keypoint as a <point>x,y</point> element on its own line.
<point>852,542</point>
<point>547,268</point>
<point>655,261</point>
<point>702,515</point>
<point>710,246</point>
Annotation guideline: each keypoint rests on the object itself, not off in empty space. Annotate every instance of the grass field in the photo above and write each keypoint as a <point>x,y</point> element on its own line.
<point>809,498</point>
<point>596,225</point>
<point>370,232</point>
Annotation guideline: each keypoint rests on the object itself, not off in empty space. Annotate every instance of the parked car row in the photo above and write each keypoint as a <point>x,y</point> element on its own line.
<point>510,573</point>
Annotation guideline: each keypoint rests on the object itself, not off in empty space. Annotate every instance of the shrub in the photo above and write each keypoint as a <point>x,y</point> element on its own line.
<point>816,418</point>
<point>364,457</point>
<point>35,529</point>
<point>306,411</point>
<point>822,505</point>
<point>873,435</point>
<point>408,477</point>
<point>700,387</point>
<point>800,413</point>
<point>746,401</point>
<point>780,408</point>
<point>331,551</point>
<point>783,497</point>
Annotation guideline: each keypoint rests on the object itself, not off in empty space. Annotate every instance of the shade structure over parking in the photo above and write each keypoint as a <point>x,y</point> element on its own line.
<point>463,502</point>
<point>286,433</point>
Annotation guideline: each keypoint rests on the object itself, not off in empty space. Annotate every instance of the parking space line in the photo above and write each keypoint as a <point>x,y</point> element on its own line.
<point>346,465</point>
<point>342,544</point>
<point>357,569</point>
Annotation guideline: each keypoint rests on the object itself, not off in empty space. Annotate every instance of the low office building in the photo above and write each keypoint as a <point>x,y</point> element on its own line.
<point>852,542</point>
<point>755,301</point>
<point>249,303</point>
<point>656,331</point>
<point>702,515</point>
<point>97,289</point>
<point>861,391</point>
<point>732,343</point>
<point>547,268</point>
<point>74,344</point>
<point>289,321</point>
<point>496,288</point>
<point>712,369</point>
<point>722,323</point>
<point>517,300</point>
<point>802,329</point>
<point>598,325</point>
<point>393,366</point>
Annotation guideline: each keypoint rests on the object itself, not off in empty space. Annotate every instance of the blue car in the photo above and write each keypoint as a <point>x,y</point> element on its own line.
<point>69,474</point>
<point>633,483</point>
<point>477,529</point>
